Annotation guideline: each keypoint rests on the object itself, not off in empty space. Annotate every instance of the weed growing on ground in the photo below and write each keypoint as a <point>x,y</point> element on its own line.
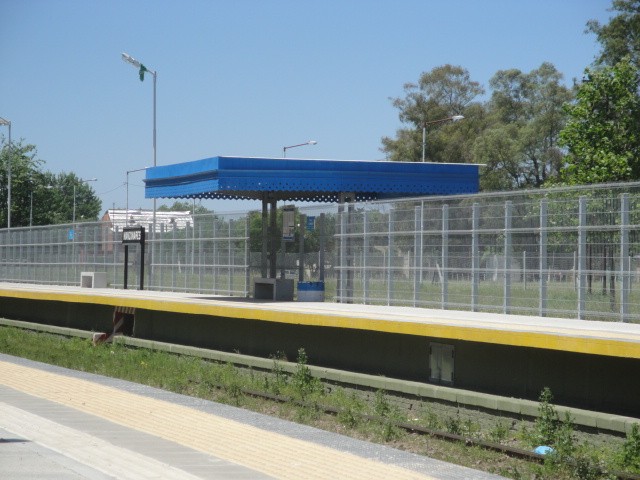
<point>389,415</point>
<point>629,455</point>
<point>228,383</point>
<point>351,408</point>
<point>303,383</point>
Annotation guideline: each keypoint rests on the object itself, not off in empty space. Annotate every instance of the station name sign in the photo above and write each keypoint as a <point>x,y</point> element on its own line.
<point>133,235</point>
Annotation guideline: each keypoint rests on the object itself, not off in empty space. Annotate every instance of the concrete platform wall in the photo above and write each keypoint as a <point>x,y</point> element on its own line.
<point>592,382</point>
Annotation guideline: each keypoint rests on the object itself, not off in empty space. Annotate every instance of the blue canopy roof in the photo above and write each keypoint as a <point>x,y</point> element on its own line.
<point>307,180</point>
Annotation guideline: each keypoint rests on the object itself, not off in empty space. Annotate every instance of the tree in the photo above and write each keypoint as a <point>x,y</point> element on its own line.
<point>520,146</point>
<point>41,198</point>
<point>620,37</point>
<point>602,132</point>
<point>25,178</point>
<point>186,206</point>
<point>443,92</point>
<point>61,200</point>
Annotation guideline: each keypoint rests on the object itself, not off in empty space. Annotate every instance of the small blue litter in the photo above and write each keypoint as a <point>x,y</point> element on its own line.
<point>543,450</point>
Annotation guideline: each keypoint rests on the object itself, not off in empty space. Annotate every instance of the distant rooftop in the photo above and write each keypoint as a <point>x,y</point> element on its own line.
<point>121,218</point>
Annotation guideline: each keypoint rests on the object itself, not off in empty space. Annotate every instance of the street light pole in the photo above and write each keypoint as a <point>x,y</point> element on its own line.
<point>7,123</point>
<point>74,195</point>
<point>284,149</point>
<point>126,218</point>
<point>142,69</point>
<point>453,118</point>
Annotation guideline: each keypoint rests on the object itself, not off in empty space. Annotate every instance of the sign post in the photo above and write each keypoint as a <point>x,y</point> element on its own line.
<point>133,235</point>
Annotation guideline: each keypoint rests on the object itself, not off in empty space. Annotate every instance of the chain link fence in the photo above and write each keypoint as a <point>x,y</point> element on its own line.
<point>565,252</point>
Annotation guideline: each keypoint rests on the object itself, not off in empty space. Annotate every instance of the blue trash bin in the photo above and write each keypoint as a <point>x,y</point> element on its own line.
<point>311,291</point>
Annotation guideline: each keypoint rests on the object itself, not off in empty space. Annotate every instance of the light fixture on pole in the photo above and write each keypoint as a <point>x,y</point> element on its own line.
<point>284,149</point>
<point>141,71</point>
<point>7,123</point>
<point>126,218</point>
<point>74,195</point>
<point>453,118</point>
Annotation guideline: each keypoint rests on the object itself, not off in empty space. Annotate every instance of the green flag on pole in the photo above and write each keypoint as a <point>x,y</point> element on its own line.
<point>142,70</point>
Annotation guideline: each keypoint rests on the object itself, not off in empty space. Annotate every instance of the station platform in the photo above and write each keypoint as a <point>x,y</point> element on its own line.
<point>577,336</point>
<point>587,364</point>
<point>63,424</point>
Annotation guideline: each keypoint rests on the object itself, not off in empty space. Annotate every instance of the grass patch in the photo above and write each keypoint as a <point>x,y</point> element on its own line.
<point>361,414</point>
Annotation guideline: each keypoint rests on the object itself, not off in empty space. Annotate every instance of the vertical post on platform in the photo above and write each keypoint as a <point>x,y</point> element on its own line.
<point>582,256</point>
<point>322,246</point>
<point>126,266</point>
<point>214,253</point>
<point>416,255</point>
<point>265,236</point>
<point>230,259</point>
<point>421,239</point>
<point>115,244</point>
<point>542,301</point>
<point>273,236</point>
<point>173,257</point>
<point>247,257</point>
<point>142,246</point>
<point>350,255</point>
<point>389,259</point>
<point>303,226</point>
<point>343,255</point>
<point>365,257</point>
<point>188,251</point>
<point>444,279</point>
<point>200,254</point>
<point>508,252</point>
<point>475,256</point>
<point>624,257</point>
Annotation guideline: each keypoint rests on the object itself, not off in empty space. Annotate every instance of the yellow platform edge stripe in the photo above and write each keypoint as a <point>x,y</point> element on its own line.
<point>543,340</point>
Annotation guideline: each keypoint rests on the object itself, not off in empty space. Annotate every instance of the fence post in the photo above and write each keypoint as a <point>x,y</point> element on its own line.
<point>247,257</point>
<point>230,259</point>
<point>389,261</point>
<point>475,256</point>
<point>173,258</point>
<point>214,255</point>
<point>416,255</point>
<point>343,255</point>
<point>624,257</point>
<point>582,256</point>
<point>321,255</point>
<point>421,263</point>
<point>365,257</point>
<point>200,256</point>
<point>508,252</point>
<point>543,258</point>
<point>444,279</point>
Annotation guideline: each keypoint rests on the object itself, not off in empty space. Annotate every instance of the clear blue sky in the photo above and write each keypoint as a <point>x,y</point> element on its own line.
<point>247,77</point>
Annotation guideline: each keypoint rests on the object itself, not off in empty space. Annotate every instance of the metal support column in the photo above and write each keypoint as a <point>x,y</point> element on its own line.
<point>444,281</point>
<point>475,256</point>
<point>416,255</point>
<point>543,273</point>
<point>582,257</point>
<point>624,257</point>
<point>508,253</point>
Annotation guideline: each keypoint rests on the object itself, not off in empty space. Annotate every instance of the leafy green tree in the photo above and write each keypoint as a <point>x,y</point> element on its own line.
<point>440,93</point>
<point>25,168</point>
<point>39,197</point>
<point>620,38</point>
<point>525,116</point>
<point>60,200</point>
<point>185,206</point>
<point>602,133</point>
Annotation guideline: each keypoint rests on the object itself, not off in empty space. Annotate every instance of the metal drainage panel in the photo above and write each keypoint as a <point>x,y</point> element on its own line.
<point>441,363</point>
